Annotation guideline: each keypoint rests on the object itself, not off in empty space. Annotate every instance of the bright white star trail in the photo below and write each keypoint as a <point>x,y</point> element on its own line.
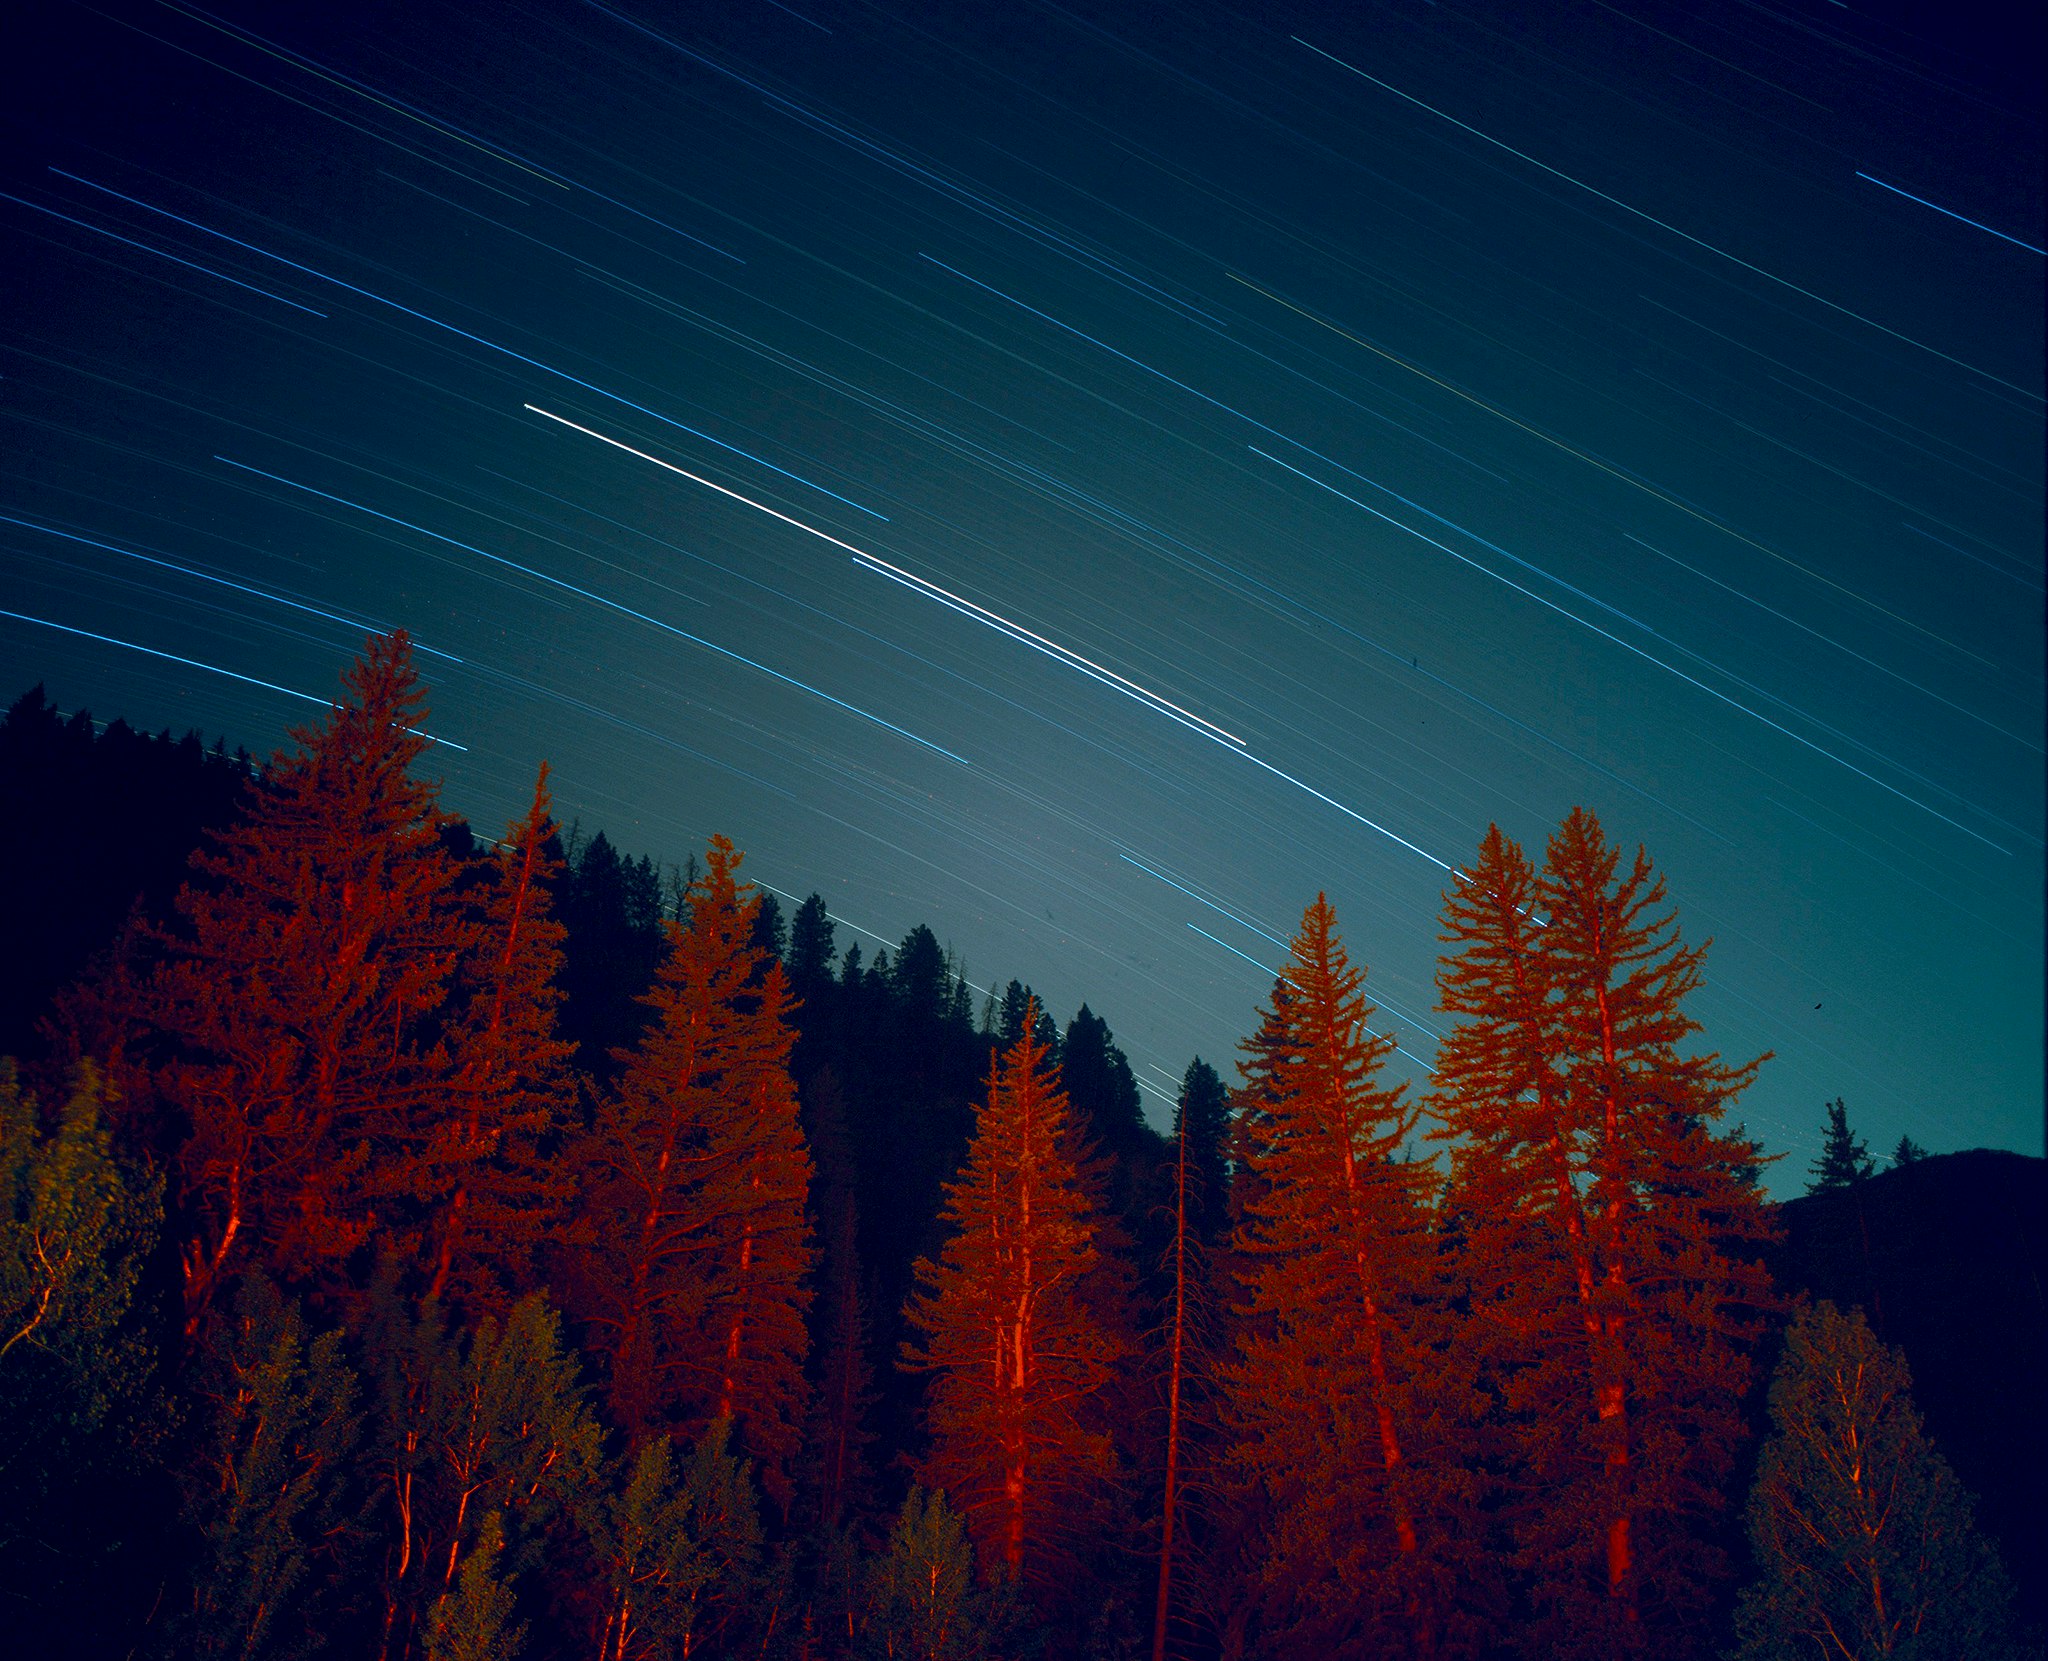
<point>1089,479</point>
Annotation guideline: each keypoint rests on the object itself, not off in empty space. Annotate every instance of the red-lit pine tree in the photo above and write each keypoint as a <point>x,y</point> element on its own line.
<point>299,996</point>
<point>693,1280</point>
<point>496,1197</point>
<point>1603,1220</point>
<point>1019,1358</point>
<point>1341,1398</point>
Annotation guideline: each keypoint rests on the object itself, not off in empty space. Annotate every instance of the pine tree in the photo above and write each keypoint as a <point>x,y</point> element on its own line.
<point>267,1489</point>
<point>1865,1543</point>
<point>612,909</point>
<point>1335,1399</point>
<point>78,1406</point>
<point>811,948</point>
<point>1843,1160</point>
<point>1187,1350</point>
<point>1202,1120</point>
<point>676,1550</point>
<point>474,1623</point>
<point>1186,1251</point>
<point>513,1087</point>
<point>694,1281</point>
<point>300,996</point>
<point>1017,1356</point>
<point>1603,1219</point>
<point>1908,1152</point>
<point>922,1603</point>
<point>841,1479</point>
<point>465,1429</point>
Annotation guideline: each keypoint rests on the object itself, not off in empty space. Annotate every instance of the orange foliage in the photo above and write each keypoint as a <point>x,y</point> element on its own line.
<point>299,997</point>
<point>495,1199</point>
<point>1601,1221</point>
<point>1019,1356</point>
<point>692,1273</point>
<point>1339,1398</point>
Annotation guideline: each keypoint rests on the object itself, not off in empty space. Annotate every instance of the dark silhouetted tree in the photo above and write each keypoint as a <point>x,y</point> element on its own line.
<point>693,1280</point>
<point>1202,1123</point>
<point>612,910</point>
<point>1099,1084</point>
<point>1843,1159</point>
<point>1198,1124</point>
<point>770,934</point>
<point>1016,1357</point>
<point>919,979</point>
<point>841,1478</point>
<point>1338,1399</point>
<point>97,821</point>
<point>811,948</point>
<point>1865,1543</point>
<point>1908,1152</point>
<point>1017,1000</point>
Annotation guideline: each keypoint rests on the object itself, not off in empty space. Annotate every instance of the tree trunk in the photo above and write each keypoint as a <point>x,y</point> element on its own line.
<point>1180,1282</point>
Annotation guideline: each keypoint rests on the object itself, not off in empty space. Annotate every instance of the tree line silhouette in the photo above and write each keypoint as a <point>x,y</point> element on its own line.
<point>419,1249</point>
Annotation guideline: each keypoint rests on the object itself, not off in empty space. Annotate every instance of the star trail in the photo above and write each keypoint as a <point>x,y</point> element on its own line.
<point>1089,477</point>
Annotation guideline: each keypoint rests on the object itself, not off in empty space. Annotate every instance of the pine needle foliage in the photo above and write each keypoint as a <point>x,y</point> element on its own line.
<point>1865,1542</point>
<point>692,1279</point>
<point>1018,1358</point>
<point>1606,1226</point>
<point>495,1196</point>
<point>301,993</point>
<point>1341,1404</point>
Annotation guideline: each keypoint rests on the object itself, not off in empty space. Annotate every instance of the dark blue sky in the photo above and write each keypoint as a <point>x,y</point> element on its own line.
<point>1087,478</point>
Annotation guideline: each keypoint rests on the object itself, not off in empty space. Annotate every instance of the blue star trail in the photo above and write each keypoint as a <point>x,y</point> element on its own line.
<point>1123,473</point>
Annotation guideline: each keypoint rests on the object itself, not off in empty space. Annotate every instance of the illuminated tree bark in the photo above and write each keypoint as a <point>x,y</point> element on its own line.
<point>693,1278</point>
<point>467,1428</point>
<point>1603,1217</point>
<point>496,1197</point>
<point>1865,1542</point>
<point>1019,1359</point>
<point>1176,1357</point>
<point>1337,1398</point>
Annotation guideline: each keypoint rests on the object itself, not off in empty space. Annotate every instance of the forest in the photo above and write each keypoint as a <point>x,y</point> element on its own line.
<point>422,1245</point>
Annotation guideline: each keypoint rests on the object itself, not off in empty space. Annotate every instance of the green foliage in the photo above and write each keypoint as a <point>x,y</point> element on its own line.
<point>78,1403</point>
<point>268,1488</point>
<point>1865,1543</point>
<point>922,1603</point>
<point>1844,1158</point>
<point>474,1622</point>
<point>494,1423</point>
<point>72,1238</point>
<point>677,1550</point>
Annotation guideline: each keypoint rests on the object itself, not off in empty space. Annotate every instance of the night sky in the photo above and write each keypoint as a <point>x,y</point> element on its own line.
<point>1087,478</point>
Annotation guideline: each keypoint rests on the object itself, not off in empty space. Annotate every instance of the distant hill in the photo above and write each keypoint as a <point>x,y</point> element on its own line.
<point>96,820</point>
<point>1946,1258</point>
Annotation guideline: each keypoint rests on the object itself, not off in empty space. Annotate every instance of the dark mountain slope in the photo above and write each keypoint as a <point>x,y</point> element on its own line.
<point>1945,1256</point>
